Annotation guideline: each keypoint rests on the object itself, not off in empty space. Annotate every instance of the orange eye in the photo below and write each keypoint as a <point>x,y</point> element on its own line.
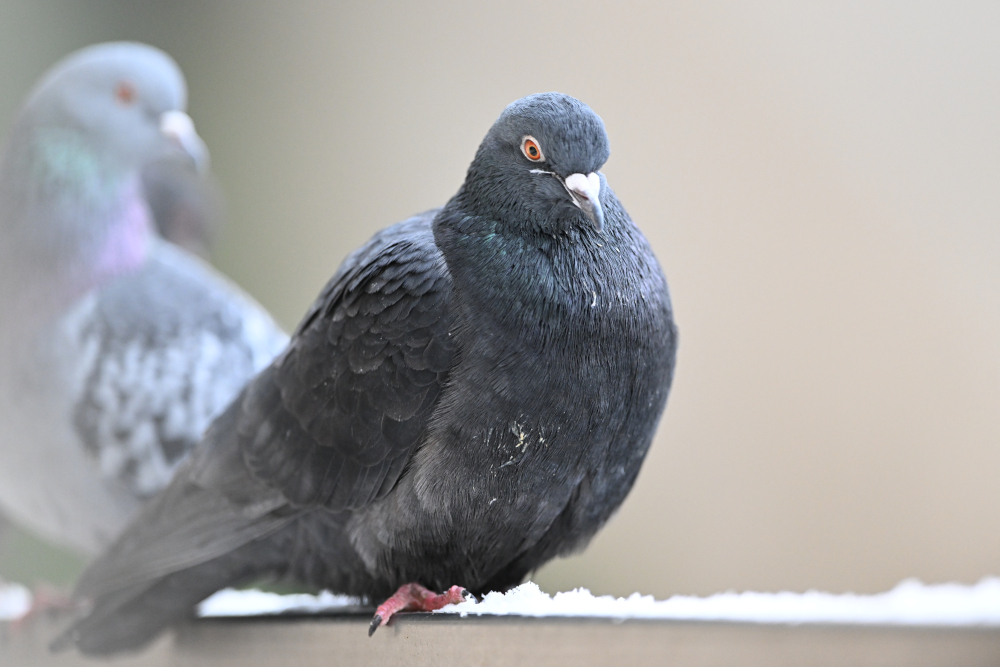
<point>125,93</point>
<point>531,149</point>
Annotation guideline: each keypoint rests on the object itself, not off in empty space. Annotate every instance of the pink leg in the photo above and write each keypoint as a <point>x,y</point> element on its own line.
<point>414,597</point>
<point>46,600</point>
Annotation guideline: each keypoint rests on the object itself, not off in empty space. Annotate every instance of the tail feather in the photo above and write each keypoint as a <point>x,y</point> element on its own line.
<point>130,618</point>
<point>214,526</point>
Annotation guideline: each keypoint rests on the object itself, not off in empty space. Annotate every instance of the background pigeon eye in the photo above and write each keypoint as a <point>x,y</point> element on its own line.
<point>125,93</point>
<point>531,150</point>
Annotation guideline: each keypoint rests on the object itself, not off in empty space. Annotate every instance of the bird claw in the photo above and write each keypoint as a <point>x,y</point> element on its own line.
<point>414,597</point>
<point>46,601</point>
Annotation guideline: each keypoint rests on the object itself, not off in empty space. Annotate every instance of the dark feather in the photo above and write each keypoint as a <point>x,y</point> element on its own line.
<point>338,429</point>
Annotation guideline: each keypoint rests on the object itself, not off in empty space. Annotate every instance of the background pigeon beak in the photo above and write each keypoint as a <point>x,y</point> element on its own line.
<point>179,128</point>
<point>586,193</point>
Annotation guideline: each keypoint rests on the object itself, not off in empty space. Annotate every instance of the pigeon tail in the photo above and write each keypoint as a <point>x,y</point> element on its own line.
<point>129,619</point>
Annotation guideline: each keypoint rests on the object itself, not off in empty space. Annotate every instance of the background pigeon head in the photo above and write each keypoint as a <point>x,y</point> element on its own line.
<point>120,99</point>
<point>538,166</point>
<point>72,206</point>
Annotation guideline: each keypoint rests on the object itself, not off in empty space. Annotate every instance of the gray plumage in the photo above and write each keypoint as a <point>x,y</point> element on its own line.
<point>471,395</point>
<point>117,348</point>
<point>185,202</point>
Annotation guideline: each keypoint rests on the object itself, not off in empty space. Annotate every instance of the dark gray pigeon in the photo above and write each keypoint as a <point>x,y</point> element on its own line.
<point>117,348</point>
<point>472,394</point>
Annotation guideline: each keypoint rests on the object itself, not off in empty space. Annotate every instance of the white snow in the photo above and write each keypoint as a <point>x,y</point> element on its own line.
<point>230,602</point>
<point>15,601</point>
<point>909,603</point>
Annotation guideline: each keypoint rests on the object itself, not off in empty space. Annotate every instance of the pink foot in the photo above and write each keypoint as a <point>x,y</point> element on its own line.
<point>46,601</point>
<point>414,597</point>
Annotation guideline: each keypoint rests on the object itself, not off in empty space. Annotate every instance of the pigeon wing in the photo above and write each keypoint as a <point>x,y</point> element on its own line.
<point>342,411</point>
<point>330,424</point>
<point>163,352</point>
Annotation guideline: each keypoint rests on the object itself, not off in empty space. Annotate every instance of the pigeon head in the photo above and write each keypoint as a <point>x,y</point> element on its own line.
<point>538,165</point>
<point>89,126</point>
<point>71,198</point>
<point>121,102</point>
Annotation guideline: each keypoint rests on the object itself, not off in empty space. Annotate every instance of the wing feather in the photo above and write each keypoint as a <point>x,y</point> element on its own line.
<point>350,399</point>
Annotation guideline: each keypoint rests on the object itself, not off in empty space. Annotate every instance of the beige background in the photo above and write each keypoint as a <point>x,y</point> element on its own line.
<point>819,182</point>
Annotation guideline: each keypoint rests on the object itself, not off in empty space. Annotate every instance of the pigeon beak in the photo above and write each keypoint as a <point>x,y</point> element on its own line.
<point>586,193</point>
<point>178,127</point>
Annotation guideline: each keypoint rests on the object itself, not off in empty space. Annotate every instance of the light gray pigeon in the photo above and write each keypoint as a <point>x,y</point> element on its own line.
<point>117,348</point>
<point>185,201</point>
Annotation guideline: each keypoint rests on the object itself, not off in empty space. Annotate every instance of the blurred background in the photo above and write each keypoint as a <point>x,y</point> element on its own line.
<point>820,182</point>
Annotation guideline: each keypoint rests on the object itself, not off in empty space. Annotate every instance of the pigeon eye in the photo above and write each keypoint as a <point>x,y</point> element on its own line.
<point>531,149</point>
<point>125,93</point>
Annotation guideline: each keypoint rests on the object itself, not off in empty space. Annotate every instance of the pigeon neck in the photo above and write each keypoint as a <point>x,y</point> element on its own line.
<point>128,233</point>
<point>70,218</point>
<point>519,278</point>
<point>552,291</point>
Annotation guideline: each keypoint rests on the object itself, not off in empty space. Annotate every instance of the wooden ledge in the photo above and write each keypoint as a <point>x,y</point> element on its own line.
<point>445,639</point>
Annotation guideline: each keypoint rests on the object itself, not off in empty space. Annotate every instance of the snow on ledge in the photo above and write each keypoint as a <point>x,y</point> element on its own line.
<point>909,603</point>
<point>15,601</point>
<point>230,602</point>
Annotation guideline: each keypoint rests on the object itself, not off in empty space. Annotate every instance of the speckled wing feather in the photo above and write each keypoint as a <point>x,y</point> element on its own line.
<point>162,353</point>
<point>348,403</point>
<point>212,506</point>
